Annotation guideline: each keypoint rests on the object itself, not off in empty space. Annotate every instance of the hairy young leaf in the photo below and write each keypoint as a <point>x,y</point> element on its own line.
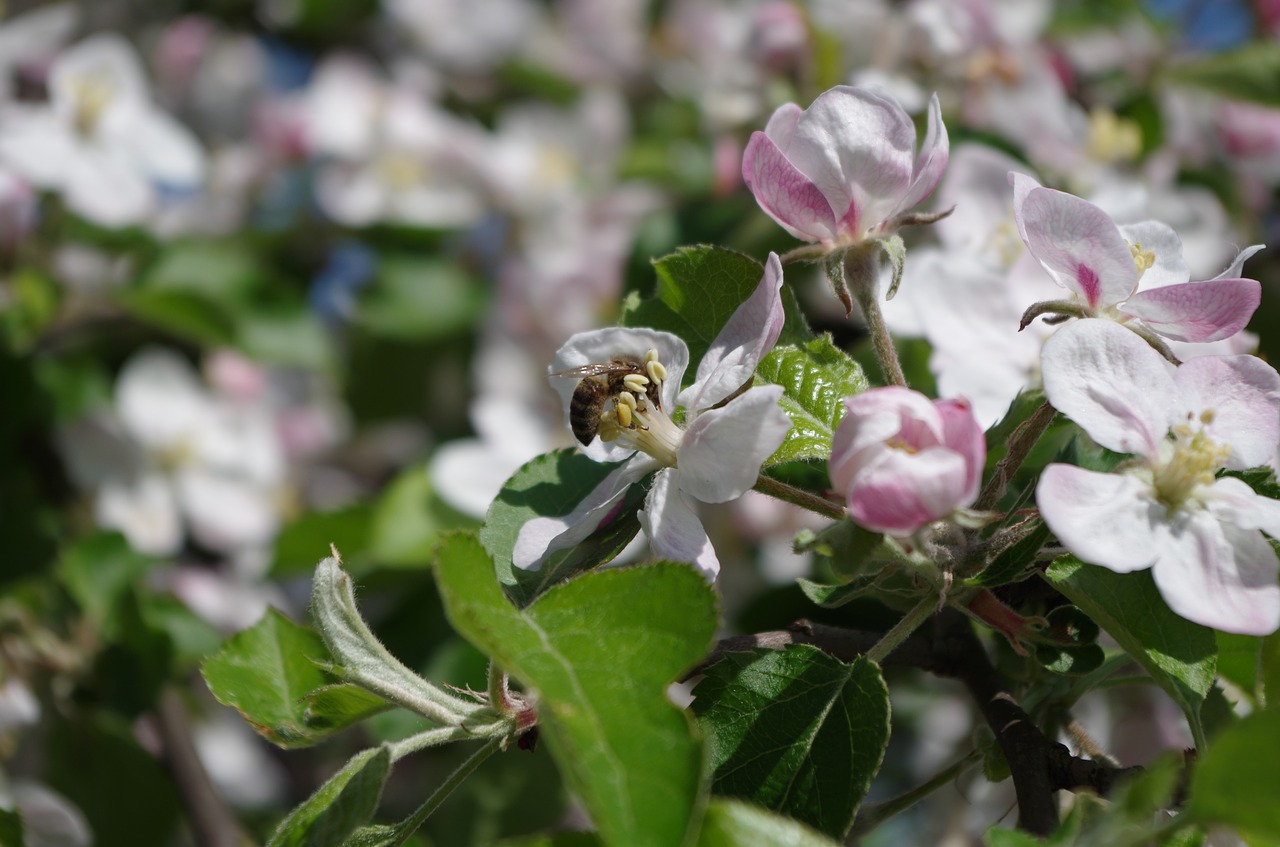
<point>795,731</point>
<point>731,823</point>
<point>265,673</point>
<point>698,289</point>
<point>337,808</point>
<point>600,651</point>
<point>814,377</point>
<point>1181,656</point>
<point>552,485</point>
<point>336,707</point>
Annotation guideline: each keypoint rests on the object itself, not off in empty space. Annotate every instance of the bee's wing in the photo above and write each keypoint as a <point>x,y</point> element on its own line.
<point>590,370</point>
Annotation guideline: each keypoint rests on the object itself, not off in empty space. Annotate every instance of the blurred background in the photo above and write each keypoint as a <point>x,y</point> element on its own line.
<point>276,274</point>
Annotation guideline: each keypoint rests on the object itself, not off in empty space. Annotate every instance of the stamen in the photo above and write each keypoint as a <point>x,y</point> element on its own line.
<point>637,383</point>
<point>1142,259</point>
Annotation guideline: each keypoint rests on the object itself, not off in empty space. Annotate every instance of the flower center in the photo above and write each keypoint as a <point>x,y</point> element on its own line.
<point>634,418</point>
<point>1192,463</point>
<point>1142,259</point>
<point>92,96</point>
<point>1112,138</point>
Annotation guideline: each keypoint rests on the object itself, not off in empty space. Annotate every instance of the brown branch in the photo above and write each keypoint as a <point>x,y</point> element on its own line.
<point>212,822</point>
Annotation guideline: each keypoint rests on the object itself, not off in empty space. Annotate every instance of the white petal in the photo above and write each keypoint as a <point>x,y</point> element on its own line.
<point>227,513</point>
<point>1220,575</point>
<point>723,448</point>
<point>469,473</point>
<point>673,529</point>
<point>1104,519</point>
<point>160,399</point>
<point>1235,270</point>
<point>1163,243</point>
<point>1243,395</point>
<point>1233,501</point>
<point>599,346</point>
<point>165,150</point>
<point>542,536</point>
<point>747,336</point>
<point>145,510</point>
<point>1107,380</point>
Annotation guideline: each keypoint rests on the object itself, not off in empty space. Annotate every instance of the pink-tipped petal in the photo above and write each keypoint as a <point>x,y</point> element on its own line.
<point>747,336</point>
<point>858,148</point>
<point>1104,519</point>
<point>903,491</point>
<point>785,194</point>
<point>932,161</point>
<point>962,433</point>
<point>1111,383</point>
<point>870,419</point>
<point>1220,575</point>
<point>1237,399</point>
<point>1079,245</point>
<point>781,127</point>
<point>1197,311</point>
<point>673,529</point>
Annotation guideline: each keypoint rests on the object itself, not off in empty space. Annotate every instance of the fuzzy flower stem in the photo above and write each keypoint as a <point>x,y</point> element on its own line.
<point>1020,444</point>
<point>902,630</point>
<point>446,788</point>
<point>799,497</point>
<point>437,736</point>
<point>806,253</point>
<point>861,269</point>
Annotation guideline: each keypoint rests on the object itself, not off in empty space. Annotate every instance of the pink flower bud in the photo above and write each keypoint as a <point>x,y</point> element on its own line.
<point>903,460</point>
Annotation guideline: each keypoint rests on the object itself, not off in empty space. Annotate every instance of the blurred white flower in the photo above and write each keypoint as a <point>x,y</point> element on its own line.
<point>173,454</point>
<point>389,154</point>
<point>100,141</point>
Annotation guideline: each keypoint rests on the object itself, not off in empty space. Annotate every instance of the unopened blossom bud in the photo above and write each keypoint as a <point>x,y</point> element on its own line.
<point>903,461</point>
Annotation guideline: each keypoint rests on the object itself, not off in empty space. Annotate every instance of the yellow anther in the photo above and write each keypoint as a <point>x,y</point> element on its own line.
<point>636,382</point>
<point>1208,416</point>
<point>624,412</point>
<point>657,371</point>
<point>627,399</point>
<point>1142,259</point>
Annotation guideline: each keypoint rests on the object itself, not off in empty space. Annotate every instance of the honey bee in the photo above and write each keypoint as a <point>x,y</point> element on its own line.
<point>601,382</point>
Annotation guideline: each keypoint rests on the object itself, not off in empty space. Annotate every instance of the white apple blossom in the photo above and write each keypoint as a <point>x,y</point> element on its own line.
<point>173,454</point>
<point>1201,534</point>
<point>100,141</point>
<point>714,457</point>
<point>1130,273</point>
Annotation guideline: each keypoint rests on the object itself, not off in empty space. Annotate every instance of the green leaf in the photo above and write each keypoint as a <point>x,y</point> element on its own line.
<point>835,596</point>
<point>265,672</point>
<point>1251,72</point>
<point>795,731</point>
<point>413,298</point>
<point>552,485</point>
<point>1239,660</point>
<point>11,829</point>
<point>815,378</point>
<point>289,335</point>
<point>407,521</point>
<point>335,707</point>
<point>600,651</point>
<point>730,823</point>
<point>310,536</point>
<point>340,806</point>
<point>221,271</point>
<point>1180,656</point>
<point>127,795</point>
<point>1271,669</point>
<point>1234,781</point>
<point>98,572</point>
<point>699,288</point>
<point>559,839</point>
<point>187,314</point>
